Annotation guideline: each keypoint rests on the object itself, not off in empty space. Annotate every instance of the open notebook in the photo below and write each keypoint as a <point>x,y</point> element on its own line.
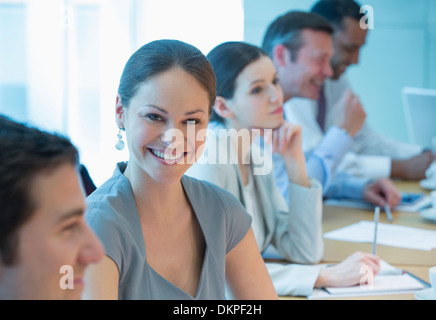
<point>390,280</point>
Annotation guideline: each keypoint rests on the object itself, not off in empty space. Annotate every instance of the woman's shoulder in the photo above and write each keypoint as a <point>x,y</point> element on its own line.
<point>110,213</point>
<point>110,198</point>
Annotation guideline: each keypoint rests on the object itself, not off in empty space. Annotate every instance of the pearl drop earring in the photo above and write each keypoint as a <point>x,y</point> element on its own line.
<point>119,145</point>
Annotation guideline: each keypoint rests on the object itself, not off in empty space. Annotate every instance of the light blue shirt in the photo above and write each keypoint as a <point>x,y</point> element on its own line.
<point>321,164</point>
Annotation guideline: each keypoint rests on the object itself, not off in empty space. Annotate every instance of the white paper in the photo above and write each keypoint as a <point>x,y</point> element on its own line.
<point>387,234</point>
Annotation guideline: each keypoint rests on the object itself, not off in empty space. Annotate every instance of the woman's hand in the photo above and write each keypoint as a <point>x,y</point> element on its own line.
<point>286,140</point>
<point>356,269</point>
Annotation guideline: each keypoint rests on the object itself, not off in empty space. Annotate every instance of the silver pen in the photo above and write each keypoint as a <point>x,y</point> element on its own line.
<point>376,218</point>
<point>388,213</point>
<point>391,272</point>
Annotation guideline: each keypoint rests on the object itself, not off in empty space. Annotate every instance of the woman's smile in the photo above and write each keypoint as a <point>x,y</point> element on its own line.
<point>169,157</point>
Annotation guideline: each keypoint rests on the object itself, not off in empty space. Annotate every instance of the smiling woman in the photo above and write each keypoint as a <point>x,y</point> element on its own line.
<point>165,234</point>
<point>152,115</point>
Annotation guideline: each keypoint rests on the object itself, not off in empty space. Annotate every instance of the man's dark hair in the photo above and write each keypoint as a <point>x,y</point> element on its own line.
<point>24,153</point>
<point>287,28</point>
<point>336,10</point>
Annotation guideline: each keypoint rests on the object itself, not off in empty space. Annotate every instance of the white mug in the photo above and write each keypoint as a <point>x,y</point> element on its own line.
<point>432,277</point>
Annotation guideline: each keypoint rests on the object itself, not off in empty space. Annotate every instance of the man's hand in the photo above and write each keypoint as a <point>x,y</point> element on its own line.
<point>413,168</point>
<point>354,115</point>
<point>381,192</point>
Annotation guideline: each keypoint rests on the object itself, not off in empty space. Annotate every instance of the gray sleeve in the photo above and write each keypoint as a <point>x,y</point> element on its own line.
<point>238,223</point>
<point>108,231</point>
<point>237,220</point>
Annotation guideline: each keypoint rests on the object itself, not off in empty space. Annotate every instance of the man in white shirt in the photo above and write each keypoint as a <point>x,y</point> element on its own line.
<point>302,58</point>
<point>372,155</point>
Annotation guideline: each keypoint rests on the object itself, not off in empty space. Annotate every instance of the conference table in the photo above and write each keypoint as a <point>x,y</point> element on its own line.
<point>416,262</point>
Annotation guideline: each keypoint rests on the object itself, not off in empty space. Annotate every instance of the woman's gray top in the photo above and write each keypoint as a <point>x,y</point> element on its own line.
<point>113,216</point>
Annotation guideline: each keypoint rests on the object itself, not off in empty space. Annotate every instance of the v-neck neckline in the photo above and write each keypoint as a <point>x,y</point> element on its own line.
<point>206,251</point>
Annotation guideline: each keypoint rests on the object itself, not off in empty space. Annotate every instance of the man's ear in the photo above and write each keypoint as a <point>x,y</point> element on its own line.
<point>281,55</point>
<point>120,112</point>
<point>221,108</point>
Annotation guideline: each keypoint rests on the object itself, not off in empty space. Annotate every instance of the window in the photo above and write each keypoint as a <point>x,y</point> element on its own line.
<point>61,60</point>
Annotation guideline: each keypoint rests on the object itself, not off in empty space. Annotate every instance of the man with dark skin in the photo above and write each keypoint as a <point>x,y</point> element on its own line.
<point>406,161</point>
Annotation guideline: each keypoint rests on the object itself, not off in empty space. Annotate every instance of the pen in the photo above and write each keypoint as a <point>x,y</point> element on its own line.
<point>388,213</point>
<point>376,218</point>
<point>391,272</point>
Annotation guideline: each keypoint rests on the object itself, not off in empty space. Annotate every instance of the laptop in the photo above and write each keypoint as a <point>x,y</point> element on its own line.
<point>420,111</point>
